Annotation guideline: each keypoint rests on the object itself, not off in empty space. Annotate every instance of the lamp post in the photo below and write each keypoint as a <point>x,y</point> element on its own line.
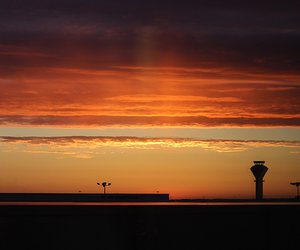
<point>104,184</point>
<point>297,184</point>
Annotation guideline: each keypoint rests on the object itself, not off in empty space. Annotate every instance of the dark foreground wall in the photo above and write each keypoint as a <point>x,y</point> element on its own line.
<point>150,227</point>
<point>83,197</point>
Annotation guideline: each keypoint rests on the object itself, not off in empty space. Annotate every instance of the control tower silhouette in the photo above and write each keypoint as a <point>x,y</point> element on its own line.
<point>259,170</point>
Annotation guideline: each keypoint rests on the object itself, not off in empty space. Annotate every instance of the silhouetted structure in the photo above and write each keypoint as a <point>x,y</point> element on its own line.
<point>259,170</point>
<point>104,184</point>
<point>297,184</point>
<point>83,197</point>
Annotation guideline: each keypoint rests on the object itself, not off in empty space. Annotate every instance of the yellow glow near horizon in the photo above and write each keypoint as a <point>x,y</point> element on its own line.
<point>185,168</point>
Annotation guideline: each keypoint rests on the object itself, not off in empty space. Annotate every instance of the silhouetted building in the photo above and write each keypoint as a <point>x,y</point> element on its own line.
<point>259,170</point>
<point>83,197</point>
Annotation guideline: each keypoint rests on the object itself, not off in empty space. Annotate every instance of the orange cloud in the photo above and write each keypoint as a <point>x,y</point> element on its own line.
<point>141,96</point>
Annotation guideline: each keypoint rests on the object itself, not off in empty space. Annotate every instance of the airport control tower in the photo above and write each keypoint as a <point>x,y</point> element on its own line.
<point>259,170</point>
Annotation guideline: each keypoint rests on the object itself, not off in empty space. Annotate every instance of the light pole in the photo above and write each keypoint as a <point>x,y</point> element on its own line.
<point>104,184</point>
<point>297,184</point>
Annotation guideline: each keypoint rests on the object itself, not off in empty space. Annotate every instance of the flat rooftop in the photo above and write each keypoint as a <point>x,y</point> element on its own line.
<point>84,197</point>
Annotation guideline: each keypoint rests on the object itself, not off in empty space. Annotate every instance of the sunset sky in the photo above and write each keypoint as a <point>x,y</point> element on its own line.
<point>174,97</point>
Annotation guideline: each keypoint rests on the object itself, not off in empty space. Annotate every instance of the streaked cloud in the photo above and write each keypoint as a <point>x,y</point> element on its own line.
<point>164,97</point>
<point>169,98</point>
<point>145,121</point>
<point>86,147</point>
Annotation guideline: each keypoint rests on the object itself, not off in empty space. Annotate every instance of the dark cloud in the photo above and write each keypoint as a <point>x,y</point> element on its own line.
<point>71,121</point>
<point>263,36</point>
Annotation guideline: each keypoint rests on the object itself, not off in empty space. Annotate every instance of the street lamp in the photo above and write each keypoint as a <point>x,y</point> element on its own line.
<point>297,184</point>
<point>104,184</point>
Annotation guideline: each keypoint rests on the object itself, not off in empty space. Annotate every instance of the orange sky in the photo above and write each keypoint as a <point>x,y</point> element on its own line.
<point>177,98</point>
